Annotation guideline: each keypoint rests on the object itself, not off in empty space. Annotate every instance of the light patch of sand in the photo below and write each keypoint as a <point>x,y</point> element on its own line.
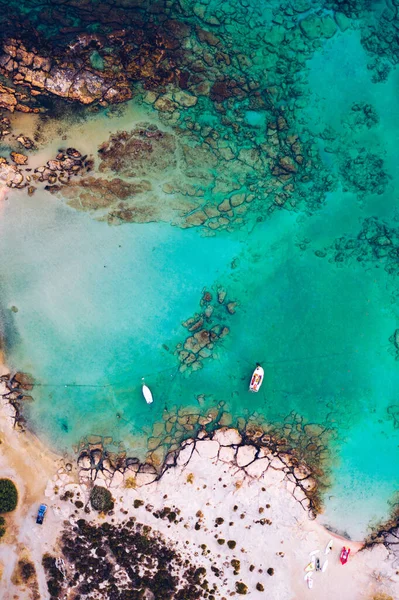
<point>27,462</point>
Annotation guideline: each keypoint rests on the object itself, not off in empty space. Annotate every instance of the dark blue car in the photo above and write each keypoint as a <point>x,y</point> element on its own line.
<point>40,514</point>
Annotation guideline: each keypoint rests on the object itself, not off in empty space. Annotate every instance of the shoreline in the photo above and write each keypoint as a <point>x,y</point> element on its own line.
<point>210,472</point>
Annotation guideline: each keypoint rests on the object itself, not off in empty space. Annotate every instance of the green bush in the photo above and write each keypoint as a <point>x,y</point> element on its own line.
<point>8,496</point>
<point>2,527</point>
<point>101,499</point>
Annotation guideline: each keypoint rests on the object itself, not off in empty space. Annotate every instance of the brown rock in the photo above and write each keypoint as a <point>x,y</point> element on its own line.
<point>211,211</point>
<point>237,199</point>
<point>197,325</point>
<point>196,218</point>
<point>26,142</point>
<point>202,337</point>
<point>19,159</point>
<point>192,345</point>
<point>224,206</point>
<point>288,164</point>
<point>7,98</point>
<point>221,295</point>
<point>231,307</point>
<point>165,104</point>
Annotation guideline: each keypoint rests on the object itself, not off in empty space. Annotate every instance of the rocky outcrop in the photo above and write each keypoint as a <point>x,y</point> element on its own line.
<point>55,174</point>
<point>298,459</point>
<point>144,151</point>
<point>207,330</point>
<point>386,534</point>
<point>376,243</point>
<point>42,74</point>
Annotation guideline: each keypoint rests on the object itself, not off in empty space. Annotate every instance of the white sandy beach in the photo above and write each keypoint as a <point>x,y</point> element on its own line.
<point>258,509</point>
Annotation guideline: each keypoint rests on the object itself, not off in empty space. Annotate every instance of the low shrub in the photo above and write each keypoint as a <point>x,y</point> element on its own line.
<point>8,496</point>
<point>2,527</point>
<point>101,499</point>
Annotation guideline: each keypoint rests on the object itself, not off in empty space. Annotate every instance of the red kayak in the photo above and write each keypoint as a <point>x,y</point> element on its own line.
<point>344,555</point>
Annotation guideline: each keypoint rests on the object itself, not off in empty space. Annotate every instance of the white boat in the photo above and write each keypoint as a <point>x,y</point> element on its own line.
<point>325,565</point>
<point>256,379</point>
<point>328,547</point>
<point>147,394</point>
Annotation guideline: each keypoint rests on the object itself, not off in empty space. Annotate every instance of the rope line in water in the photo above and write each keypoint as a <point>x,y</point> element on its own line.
<point>176,369</point>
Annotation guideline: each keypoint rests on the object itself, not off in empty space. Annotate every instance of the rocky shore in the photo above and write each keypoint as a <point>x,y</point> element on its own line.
<point>224,516</point>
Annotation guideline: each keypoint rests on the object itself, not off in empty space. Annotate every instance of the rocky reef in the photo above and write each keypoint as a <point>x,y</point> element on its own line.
<point>248,158</point>
<point>387,534</point>
<point>377,243</point>
<point>296,451</point>
<point>207,329</point>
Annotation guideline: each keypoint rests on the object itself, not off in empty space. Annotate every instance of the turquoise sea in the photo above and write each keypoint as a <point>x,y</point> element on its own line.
<point>90,307</point>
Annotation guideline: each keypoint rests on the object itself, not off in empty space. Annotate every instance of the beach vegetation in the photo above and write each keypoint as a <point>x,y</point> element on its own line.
<point>260,587</point>
<point>221,541</point>
<point>101,499</point>
<point>232,544</point>
<point>53,574</point>
<point>130,483</point>
<point>137,503</point>
<point>8,496</point>
<point>235,563</point>
<point>2,526</point>
<point>26,570</point>
<point>270,571</point>
<point>241,588</point>
<point>190,478</point>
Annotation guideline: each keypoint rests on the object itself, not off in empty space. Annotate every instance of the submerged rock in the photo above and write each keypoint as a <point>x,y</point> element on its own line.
<point>19,159</point>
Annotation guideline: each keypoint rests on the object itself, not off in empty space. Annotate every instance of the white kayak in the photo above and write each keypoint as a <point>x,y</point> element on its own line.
<point>256,379</point>
<point>147,394</point>
<point>328,547</point>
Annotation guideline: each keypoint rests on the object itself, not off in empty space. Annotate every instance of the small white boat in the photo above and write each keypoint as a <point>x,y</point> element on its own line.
<point>325,565</point>
<point>328,547</point>
<point>256,379</point>
<point>147,394</point>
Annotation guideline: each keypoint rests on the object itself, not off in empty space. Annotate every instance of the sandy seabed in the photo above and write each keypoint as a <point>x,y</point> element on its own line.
<point>216,501</point>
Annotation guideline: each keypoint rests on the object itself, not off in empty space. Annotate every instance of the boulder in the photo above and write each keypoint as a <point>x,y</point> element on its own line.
<point>257,468</point>
<point>18,158</point>
<point>227,437</point>
<point>185,99</point>
<point>207,448</point>
<point>245,455</point>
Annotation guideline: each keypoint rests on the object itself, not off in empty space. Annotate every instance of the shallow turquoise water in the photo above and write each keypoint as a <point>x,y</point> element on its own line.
<point>89,330</point>
<point>100,307</point>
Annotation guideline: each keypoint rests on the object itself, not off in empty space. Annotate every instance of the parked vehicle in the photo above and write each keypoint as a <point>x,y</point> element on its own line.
<point>40,514</point>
